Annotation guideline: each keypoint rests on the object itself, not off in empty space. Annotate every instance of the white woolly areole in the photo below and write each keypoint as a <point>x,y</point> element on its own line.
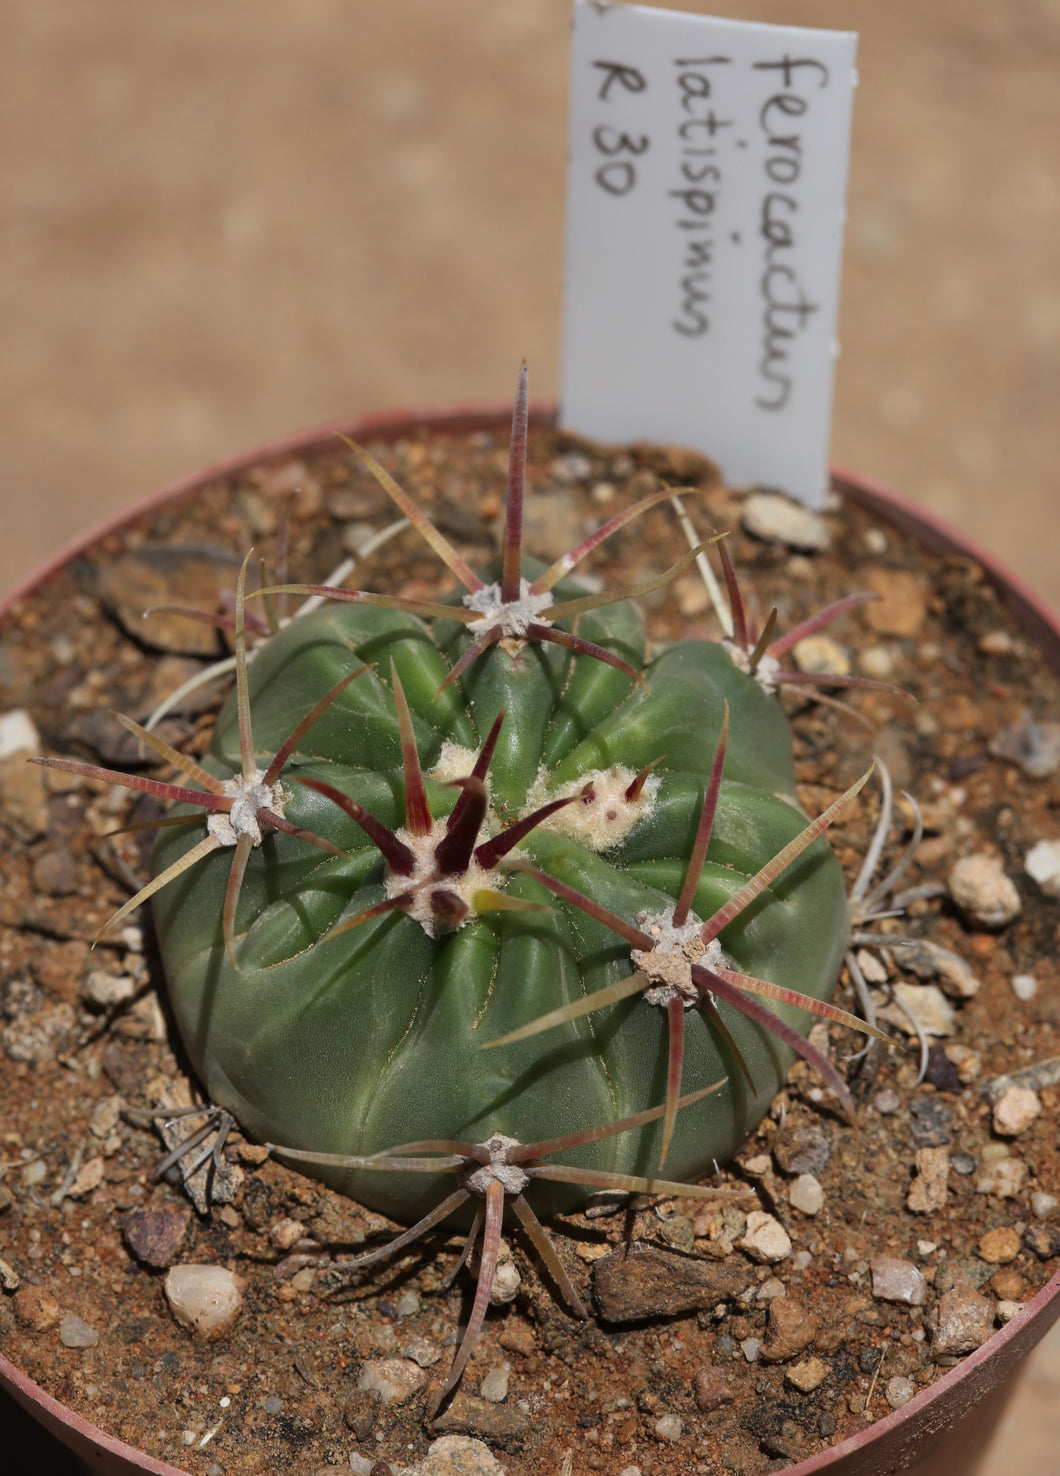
<point>510,1176</point>
<point>454,762</point>
<point>513,616</point>
<point>426,877</point>
<point>248,796</point>
<point>765,673</point>
<point>606,819</point>
<point>669,963</point>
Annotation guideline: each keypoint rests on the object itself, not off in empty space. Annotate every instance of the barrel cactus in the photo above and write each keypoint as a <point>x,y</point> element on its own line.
<point>482,873</point>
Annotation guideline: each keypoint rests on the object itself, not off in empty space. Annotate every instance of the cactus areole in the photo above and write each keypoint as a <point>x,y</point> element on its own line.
<point>512,810</point>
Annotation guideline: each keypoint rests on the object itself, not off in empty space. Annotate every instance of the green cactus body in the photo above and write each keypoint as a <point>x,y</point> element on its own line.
<point>356,1043</point>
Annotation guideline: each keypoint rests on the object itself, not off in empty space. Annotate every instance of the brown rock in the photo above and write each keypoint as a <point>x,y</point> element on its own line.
<point>36,1308</point>
<point>1008,1285</point>
<point>712,1388</point>
<point>470,1415</point>
<point>901,603</point>
<point>1000,1246</point>
<point>791,1329</point>
<point>154,1232</point>
<point>929,1189</point>
<point>643,1281</point>
<point>964,1321</point>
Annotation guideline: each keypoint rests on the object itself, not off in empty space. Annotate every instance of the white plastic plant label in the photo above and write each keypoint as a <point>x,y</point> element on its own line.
<point>705,208</point>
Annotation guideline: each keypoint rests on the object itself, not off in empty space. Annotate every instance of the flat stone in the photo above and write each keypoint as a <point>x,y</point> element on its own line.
<point>644,1281</point>
<point>394,1380</point>
<point>154,1232</point>
<point>494,1386</point>
<point>457,1455</point>
<point>807,1375</point>
<point>204,1299</point>
<point>964,1320</point>
<point>929,960</point>
<point>472,1415</point>
<point>928,1006</point>
<point>791,1328</point>
<point>901,600</point>
<point>802,1149</point>
<point>930,1187</point>
<point>711,1388</point>
<point>74,1332</point>
<point>894,1280</point>
<point>980,888</point>
<point>1004,1177</point>
<point>765,1239</point>
<point>776,519</point>
<point>806,1194</point>
<point>167,574</point>
<point>1015,1110</point>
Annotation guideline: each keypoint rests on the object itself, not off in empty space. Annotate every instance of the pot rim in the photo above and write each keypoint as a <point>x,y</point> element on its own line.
<point>959,1390</point>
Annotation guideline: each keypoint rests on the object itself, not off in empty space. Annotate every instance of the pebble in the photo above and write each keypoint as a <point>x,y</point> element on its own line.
<point>18,734</point>
<point>791,1328</point>
<point>408,1304</point>
<point>669,1428</point>
<point>158,576</point>
<point>36,1308</point>
<point>802,1149</point>
<point>1008,1285</point>
<point>1042,1204</point>
<point>1042,864</point>
<point>807,1375</point>
<point>1025,987</point>
<point>887,1101</point>
<point>774,518</point>
<point>899,1391</point>
<point>74,1332</point>
<point>572,466</point>
<point>204,1299</point>
<point>876,662</point>
<point>931,961</point>
<point>927,1004</point>
<point>457,1455</point>
<point>494,1386</point>
<point>806,1194</point>
<point>285,1233</point>
<point>106,1116</point>
<point>894,1280</point>
<point>154,1232</point>
<point>1004,1177</point>
<point>750,1348</point>
<point>964,1321</point>
<point>1035,747</point>
<point>980,888</point>
<point>646,1281</point>
<point>999,1246</point>
<point>10,1280</point>
<point>821,654</point>
<point>929,1189</point>
<point>900,605</point>
<point>712,1389</point>
<point>765,1239</point>
<point>1043,1240</point>
<point>23,797</point>
<point>394,1380</point>
<point>1015,1110</point>
<point>106,991</point>
<point>932,1124</point>
<point>1006,1311</point>
<point>423,1352</point>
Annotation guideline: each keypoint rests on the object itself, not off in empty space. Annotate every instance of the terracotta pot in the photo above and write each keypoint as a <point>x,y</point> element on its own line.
<point>938,1433</point>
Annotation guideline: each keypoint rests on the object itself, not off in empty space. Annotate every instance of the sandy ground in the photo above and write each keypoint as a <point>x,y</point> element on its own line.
<point>218,223</point>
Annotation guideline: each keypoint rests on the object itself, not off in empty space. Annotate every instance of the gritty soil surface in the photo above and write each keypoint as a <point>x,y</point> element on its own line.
<point>876,1257</point>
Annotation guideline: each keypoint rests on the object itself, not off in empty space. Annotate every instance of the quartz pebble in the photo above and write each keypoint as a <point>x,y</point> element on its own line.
<point>980,888</point>
<point>712,1389</point>
<point>154,1232</point>
<point>1042,1204</point>
<point>74,1332</point>
<point>822,655</point>
<point>1015,1110</point>
<point>394,1380</point>
<point>964,1320</point>
<point>894,1280</point>
<point>928,1006</point>
<point>457,1455</point>
<point>669,1428</point>
<point>899,1391</point>
<point>765,1239</point>
<point>806,1194</point>
<point>1004,1177</point>
<point>1035,747</point>
<point>773,518</point>
<point>204,1299</point>
<point>929,960</point>
<point>1042,864</point>
<point>1025,987</point>
<point>494,1386</point>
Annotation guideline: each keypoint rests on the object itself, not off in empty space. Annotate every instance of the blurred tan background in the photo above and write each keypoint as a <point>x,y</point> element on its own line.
<point>219,222</point>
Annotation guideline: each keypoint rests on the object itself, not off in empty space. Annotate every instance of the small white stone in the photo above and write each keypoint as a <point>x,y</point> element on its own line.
<point>983,892</point>
<point>775,518</point>
<point>669,1428</point>
<point>750,1348</point>
<point>1042,1204</point>
<point>74,1332</point>
<point>806,1194</point>
<point>1006,1311</point>
<point>204,1299</point>
<point>819,653</point>
<point>457,1455</point>
<point>285,1233</point>
<point>18,733</point>
<point>899,1391</point>
<point>408,1304</point>
<point>1025,987</point>
<point>774,1287</point>
<point>1004,1177</point>
<point>1042,864</point>
<point>494,1386</point>
<point>395,1380</point>
<point>1015,1110</point>
<point>107,990</point>
<point>927,1004</point>
<point>765,1239</point>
